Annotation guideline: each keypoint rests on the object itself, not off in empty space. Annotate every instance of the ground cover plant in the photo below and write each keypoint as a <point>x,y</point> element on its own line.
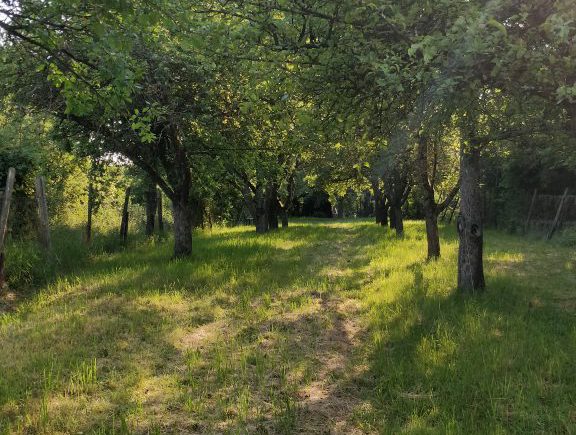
<point>326,325</point>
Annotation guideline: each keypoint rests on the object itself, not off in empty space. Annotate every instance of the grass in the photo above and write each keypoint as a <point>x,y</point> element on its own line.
<point>328,325</point>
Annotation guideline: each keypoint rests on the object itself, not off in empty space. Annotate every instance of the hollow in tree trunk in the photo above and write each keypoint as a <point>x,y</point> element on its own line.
<point>470,229</point>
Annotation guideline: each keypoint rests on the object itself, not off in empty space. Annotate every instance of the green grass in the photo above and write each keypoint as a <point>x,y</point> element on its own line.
<point>325,325</point>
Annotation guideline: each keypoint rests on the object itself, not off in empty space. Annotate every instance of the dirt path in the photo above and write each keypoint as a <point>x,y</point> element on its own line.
<point>327,404</point>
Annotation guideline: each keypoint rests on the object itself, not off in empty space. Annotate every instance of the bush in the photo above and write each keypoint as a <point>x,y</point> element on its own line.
<point>25,264</point>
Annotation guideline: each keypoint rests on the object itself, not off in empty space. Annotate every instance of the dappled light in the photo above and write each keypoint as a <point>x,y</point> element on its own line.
<point>361,334</point>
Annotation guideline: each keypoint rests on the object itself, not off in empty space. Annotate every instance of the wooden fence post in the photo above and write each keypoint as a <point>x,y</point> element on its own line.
<point>42,207</point>
<point>160,218</point>
<point>558,214</point>
<point>4,219</point>
<point>90,210</point>
<point>124,223</point>
<point>530,210</point>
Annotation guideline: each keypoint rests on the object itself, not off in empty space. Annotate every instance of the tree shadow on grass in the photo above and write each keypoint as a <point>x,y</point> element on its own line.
<point>470,364</point>
<point>138,319</point>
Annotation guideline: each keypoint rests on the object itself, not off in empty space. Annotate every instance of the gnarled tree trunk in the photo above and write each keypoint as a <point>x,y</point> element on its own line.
<point>429,202</point>
<point>181,204</point>
<point>470,228</point>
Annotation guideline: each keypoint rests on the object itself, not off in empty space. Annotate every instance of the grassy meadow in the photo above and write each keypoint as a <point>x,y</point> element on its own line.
<point>324,327</point>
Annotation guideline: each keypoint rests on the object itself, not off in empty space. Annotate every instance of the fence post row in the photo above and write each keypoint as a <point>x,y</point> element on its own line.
<point>4,219</point>
<point>124,223</point>
<point>531,210</point>
<point>558,215</point>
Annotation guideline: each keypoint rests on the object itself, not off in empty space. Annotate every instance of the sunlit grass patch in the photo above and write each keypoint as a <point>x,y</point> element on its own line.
<point>328,324</point>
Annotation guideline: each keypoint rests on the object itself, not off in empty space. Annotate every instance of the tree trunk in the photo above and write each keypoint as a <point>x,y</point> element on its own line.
<point>151,205</point>
<point>340,208</point>
<point>470,230</point>
<point>124,222</point>
<point>272,206</point>
<point>428,199</point>
<point>181,203</point>
<point>261,215</point>
<point>182,215</point>
<point>432,236</point>
<point>381,209</point>
<point>284,217</point>
<point>160,218</point>
<point>88,231</point>
<point>396,212</point>
<point>377,211</point>
<point>392,218</point>
<point>384,217</point>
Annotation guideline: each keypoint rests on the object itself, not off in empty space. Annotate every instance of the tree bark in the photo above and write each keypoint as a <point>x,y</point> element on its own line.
<point>428,200</point>
<point>380,205</point>
<point>392,218</point>
<point>396,213</point>
<point>90,205</point>
<point>381,211</point>
<point>182,215</point>
<point>432,236</point>
<point>151,205</point>
<point>181,203</point>
<point>124,222</point>
<point>260,215</point>
<point>398,189</point>
<point>160,217</point>
<point>384,214</point>
<point>340,208</point>
<point>272,206</point>
<point>470,229</point>
<point>284,217</point>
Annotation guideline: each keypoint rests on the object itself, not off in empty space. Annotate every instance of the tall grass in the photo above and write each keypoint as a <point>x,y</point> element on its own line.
<point>253,335</point>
